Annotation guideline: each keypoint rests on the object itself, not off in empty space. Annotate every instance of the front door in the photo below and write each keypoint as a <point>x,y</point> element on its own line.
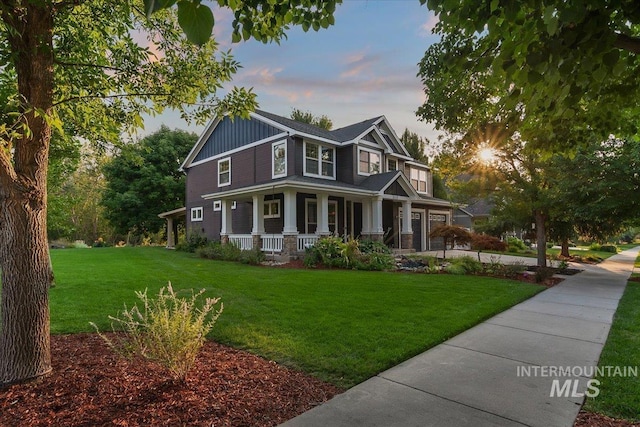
<point>416,226</point>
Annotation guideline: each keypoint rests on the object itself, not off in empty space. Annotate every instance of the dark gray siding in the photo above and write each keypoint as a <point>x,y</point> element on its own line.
<point>369,137</point>
<point>396,190</point>
<point>231,135</point>
<point>346,164</point>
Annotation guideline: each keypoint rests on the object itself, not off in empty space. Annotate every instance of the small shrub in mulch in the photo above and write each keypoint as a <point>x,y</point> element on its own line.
<point>90,385</point>
<point>589,419</point>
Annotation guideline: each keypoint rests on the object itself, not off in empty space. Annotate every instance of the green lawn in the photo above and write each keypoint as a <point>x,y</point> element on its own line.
<point>342,326</point>
<point>620,396</point>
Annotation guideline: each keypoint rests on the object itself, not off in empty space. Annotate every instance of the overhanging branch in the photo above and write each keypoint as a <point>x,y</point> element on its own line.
<point>122,95</point>
<point>628,43</point>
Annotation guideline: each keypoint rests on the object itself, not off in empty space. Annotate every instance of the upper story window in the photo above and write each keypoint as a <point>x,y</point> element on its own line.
<point>279,159</point>
<point>369,162</point>
<point>196,214</point>
<point>392,165</point>
<point>224,172</point>
<point>419,180</point>
<point>319,160</point>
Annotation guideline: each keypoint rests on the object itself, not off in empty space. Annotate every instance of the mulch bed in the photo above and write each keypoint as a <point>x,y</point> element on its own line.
<point>92,386</point>
<point>589,419</point>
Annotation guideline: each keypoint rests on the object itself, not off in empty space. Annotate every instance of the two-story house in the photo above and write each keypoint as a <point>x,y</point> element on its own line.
<point>279,184</point>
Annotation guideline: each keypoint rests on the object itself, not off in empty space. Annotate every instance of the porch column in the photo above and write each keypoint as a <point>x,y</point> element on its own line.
<point>226,229</point>
<point>258,214</point>
<point>323,214</point>
<point>171,240</point>
<point>406,217</point>
<point>407,230</point>
<point>366,218</point>
<point>289,210</point>
<point>376,207</point>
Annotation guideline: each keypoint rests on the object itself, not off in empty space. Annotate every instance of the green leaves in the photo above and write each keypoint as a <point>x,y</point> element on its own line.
<point>196,20</point>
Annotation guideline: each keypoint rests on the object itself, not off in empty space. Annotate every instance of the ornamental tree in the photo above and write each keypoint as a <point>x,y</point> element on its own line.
<point>90,69</point>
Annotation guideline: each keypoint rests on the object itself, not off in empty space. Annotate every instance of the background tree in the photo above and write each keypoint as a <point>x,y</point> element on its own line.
<point>322,121</point>
<point>75,67</point>
<point>143,180</point>
<point>549,57</point>
<point>415,145</point>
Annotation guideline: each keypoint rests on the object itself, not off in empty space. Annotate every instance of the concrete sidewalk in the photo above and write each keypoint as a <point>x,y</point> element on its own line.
<point>473,379</point>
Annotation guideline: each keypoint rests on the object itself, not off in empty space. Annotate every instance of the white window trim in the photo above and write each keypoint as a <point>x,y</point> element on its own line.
<point>319,174</point>
<point>379,153</point>
<point>222,161</point>
<point>269,203</point>
<point>234,204</point>
<point>273,159</point>
<point>426,179</point>
<point>397,165</point>
<point>196,214</point>
<point>217,205</point>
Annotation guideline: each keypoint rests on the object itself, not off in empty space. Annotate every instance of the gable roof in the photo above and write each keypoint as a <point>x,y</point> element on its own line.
<point>350,134</point>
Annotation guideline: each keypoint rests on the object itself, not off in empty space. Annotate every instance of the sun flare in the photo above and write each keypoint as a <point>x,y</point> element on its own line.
<point>487,155</point>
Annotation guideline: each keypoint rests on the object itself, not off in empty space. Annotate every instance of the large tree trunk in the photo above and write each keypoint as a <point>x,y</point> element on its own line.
<point>564,251</point>
<point>541,238</point>
<point>24,252</point>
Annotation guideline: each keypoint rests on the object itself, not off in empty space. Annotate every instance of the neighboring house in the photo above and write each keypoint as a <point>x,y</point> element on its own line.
<point>280,184</point>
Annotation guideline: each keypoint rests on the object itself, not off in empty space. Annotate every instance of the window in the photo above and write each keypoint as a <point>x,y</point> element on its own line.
<point>217,205</point>
<point>279,159</point>
<point>369,162</point>
<point>392,165</point>
<point>224,172</point>
<point>312,215</point>
<point>196,214</point>
<point>271,209</point>
<point>419,180</point>
<point>319,160</point>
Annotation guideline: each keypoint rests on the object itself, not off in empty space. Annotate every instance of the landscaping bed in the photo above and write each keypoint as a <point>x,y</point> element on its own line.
<point>90,385</point>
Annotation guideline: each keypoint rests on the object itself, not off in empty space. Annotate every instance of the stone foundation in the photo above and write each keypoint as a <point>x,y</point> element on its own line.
<point>407,242</point>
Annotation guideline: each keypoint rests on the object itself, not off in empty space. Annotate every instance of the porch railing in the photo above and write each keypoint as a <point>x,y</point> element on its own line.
<point>243,241</point>
<point>272,243</point>
<point>306,240</point>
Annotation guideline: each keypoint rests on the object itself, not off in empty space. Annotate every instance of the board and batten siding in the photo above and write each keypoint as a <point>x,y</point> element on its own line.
<point>229,136</point>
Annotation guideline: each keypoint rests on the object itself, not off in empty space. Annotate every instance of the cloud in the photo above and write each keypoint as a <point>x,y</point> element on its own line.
<point>429,25</point>
<point>357,63</point>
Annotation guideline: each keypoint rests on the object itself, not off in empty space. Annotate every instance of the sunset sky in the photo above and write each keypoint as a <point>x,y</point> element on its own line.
<point>363,66</point>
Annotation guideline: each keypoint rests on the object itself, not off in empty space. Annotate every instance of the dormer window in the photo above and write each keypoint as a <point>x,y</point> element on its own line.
<point>392,165</point>
<point>368,161</point>
<point>319,160</point>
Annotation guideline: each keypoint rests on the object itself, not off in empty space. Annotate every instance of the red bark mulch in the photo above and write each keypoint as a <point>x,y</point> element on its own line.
<point>589,419</point>
<point>92,386</point>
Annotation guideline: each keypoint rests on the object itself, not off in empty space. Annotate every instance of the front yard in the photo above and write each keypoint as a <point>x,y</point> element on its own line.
<point>340,326</point>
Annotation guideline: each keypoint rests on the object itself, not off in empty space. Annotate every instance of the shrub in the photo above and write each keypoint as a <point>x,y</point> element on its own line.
<point>330,251</point>
<point>457,269</point>
<point>513,270</point>
<point>375,261</point>
<point>609,248</point>
<point>192,241</point>
<point>219,251</point>
<point>469,264</point>
<point>252,257</point>
<point>515,244</point>
<point>168,331</point>
<point>368,246</point>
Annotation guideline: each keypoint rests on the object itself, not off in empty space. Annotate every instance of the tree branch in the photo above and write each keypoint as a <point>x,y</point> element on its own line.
<point>122,95</point>
<point>7,172</point>
<point>80,64</point>
<point>628,43</point>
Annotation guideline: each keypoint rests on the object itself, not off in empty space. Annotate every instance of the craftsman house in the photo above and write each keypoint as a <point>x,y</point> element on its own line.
<point>280,184</point>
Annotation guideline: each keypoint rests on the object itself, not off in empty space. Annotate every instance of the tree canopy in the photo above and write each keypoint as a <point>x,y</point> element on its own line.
<point>143,180</point>
<point>308,117</point>
<point>551,60</point>
<point>91,69</point>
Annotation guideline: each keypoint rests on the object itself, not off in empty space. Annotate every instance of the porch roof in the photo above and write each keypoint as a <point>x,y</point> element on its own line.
<point>374,185</point>
<point>176,213</point>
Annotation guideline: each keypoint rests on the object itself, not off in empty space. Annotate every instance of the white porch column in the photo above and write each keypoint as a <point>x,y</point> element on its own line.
<point>171,241</point>
<point>376,207</point>
<point>323,214</point>
<point>406,217</point>
<point>366,217</point>
<point>258,215</point>
<point>226,228</point>
<point>289,210</point>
